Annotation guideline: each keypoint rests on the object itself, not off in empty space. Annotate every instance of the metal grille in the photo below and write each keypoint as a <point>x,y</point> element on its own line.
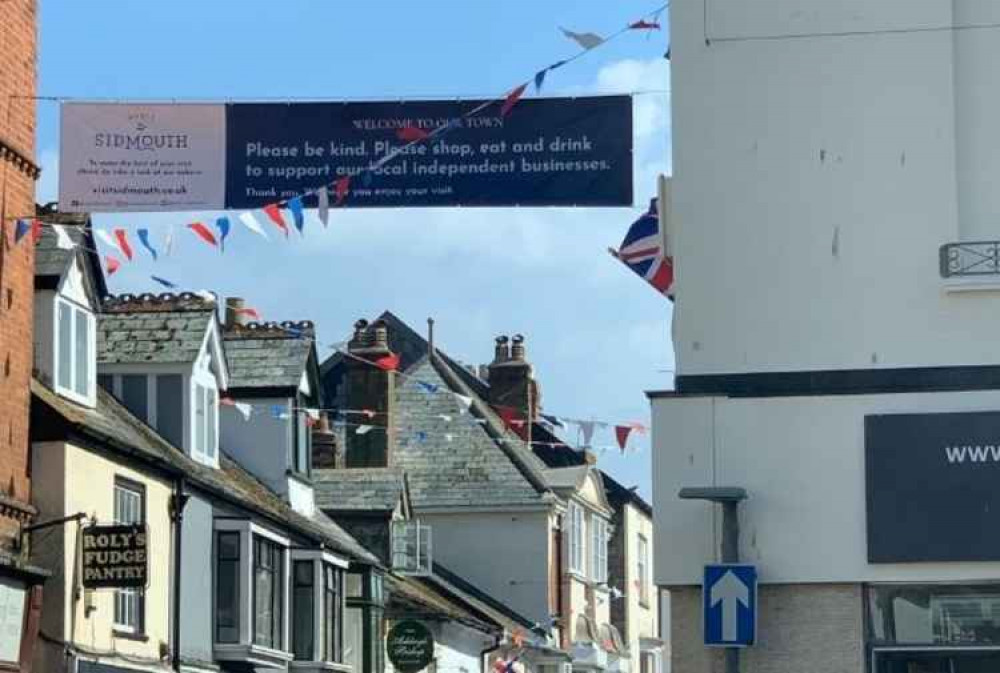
<point>974,258</point>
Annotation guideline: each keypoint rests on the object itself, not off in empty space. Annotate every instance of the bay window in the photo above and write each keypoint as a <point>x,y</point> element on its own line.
<point>76,351</point>
<point>363,621</point>
<point>268,593</point>
<point>303,610</point>
<point>333,613</point>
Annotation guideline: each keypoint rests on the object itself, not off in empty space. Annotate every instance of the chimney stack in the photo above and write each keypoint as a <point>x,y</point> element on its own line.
<point>369,387</point>
<point>324,445</point>
<point>234,313</point>
<point>512,385</point>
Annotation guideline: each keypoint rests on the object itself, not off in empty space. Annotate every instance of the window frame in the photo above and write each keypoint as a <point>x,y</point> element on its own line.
<point>70,391</point>
<point>323,561</point>
<point>577,533</point>
<point>642,568</point>
<point>129,599</point>
<point>598,557</point>
<point>238,609</point>
<point>277,569</point>
<point>420,536</point>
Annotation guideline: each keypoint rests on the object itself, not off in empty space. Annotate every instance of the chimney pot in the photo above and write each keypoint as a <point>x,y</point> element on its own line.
<point>234,313</point>
<point>360,335</point>
<point>381,340</point>
<point>502,352</point>
<point>517,350</point>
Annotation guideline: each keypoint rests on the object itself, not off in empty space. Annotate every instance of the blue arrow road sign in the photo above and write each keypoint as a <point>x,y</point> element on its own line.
<point>729,605</point>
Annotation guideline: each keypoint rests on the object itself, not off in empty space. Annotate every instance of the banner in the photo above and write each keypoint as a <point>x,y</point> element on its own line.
<point>122,157</point>
<point>933,487</point>
<point>539,152</point>
<point>544,152</point>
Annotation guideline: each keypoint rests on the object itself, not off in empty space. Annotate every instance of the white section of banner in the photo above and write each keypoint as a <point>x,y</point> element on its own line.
<point>117,157</point>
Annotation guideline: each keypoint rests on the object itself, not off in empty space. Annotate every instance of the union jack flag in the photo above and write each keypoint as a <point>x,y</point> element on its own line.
<point>642,252</point>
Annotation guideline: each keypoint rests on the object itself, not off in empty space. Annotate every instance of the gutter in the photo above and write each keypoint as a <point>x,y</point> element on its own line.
<point>497,640</point>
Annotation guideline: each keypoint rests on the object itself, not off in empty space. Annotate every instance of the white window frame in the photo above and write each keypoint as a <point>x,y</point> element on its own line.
<point>247,530</point>
<point>419,535</point>
<point>205,423</point>
<point>128,602</point>
<point>89,395</point>
<point>642,567</point>
<point>598,549</point>
<point>577,534</point>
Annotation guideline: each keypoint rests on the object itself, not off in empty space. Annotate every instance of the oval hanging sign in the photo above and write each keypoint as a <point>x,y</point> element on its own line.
<point>410,646</point>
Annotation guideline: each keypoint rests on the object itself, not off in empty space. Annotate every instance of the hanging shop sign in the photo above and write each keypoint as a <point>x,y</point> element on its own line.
<point>410,646</point>
<point>541,152</point>
<point>932,487</point>
<point>126,157</point>
<point>114,556</point>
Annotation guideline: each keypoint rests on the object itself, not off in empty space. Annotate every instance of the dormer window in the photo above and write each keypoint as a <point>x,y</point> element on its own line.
<point>75,351</point>
<point>411,548</point>
<point>205,424</point>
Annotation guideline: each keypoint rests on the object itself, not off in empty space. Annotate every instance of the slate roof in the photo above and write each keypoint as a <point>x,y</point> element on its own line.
<point>618,495</point>
<point>452,459</point>
<point>52,261</point>
<point>166,329</point>
<point>268,355</point>
<point>567,477</point>
<point>115,427</point>
<point>377,489</point>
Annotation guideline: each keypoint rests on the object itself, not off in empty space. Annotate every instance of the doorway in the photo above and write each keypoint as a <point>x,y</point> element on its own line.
<point>937,662</point>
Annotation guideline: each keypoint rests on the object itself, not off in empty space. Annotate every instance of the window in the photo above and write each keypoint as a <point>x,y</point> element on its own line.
<point>303,444</point>
<point>576,533</point>
<point>598,549</point>
<point>303,610</point>
<point>642,569</point>
<point>227,587</point>
<point>363,622</point>
<point>205,427</point>
<point>268,593</point>
<point>647,662</point>
<point>333,607</point>
<point>74,351</point>
<point>170,408</point>
<point>411,547</point>
<point>129,509</point>
<point>135,395</point>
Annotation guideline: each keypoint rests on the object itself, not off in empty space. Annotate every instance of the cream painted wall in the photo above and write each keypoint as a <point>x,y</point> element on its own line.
<point>86,483</point>
<point>642,617</point>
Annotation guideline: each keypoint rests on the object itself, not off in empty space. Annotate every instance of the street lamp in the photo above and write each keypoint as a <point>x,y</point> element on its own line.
<point>729,497</point>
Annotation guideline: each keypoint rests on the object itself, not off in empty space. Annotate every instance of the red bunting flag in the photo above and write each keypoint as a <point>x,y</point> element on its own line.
<point>122,237</point>
<point>228,401</point>
<point>112,264</point>
<point>642,24</point>
<point>389,363</point>
<point>274,213</point>
<point>512,99</point>
<point>250,312</point>
<point>203,233</point>
<point>342,187</point>
<point>411,134</point>
<point>621,434</point>
<point>36,231</point>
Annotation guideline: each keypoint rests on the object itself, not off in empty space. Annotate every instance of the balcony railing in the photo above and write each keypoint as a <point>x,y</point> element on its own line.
<point>970,259</point>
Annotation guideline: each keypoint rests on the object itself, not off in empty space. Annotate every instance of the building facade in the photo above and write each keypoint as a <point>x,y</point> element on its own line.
<point>832,225</point>
<point>20,584</point>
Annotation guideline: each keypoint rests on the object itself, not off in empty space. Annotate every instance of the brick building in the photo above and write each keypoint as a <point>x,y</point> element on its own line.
<point>20,591</point>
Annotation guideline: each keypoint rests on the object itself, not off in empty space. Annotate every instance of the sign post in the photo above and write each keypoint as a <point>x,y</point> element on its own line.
<point>410,646</point>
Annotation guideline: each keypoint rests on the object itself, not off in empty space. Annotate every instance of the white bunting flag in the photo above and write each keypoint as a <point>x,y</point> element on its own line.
<point>312,413</point>
<point>445,417</point>
<point>168,244</point>
<point>587,428</point>
<point>244,409</point>
<point>251,223</point>
<point>107,239</point>
<point>63,241</point>
<point>323,199</point>
<point>585,40</point>
<point>207,295</point>
<point>363,429</point>
<point>465,400</point>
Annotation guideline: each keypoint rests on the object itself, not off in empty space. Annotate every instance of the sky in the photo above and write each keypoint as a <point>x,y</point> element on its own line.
<point>597,335</point>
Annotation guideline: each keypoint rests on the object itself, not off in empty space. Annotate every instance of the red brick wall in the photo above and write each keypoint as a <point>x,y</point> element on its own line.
<point>18,41</point>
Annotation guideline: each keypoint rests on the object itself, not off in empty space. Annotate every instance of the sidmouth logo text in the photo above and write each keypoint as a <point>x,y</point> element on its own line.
<point>142,141</point>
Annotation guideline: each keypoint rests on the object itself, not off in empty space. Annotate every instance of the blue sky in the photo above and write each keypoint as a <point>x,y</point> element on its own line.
<point>597,336</point>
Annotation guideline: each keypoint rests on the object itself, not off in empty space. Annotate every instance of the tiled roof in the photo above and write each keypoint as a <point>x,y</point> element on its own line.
<point>112,424</point>
<point>375,489</point>
<point>166,328</point>
<point>268,355</point>
<point>619,495</point>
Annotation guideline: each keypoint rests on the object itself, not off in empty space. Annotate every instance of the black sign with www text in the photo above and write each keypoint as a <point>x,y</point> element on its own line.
<point>933,487</point>
<point>114,557</point>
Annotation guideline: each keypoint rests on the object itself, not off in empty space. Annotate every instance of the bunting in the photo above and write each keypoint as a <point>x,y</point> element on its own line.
<point>143,235</point>
<point>222,224</point>
<point>106,238</point>
<point>323,205</point>
<point>249,312</point>
<point>512,98</point>
<point>203,233</point>
<point>122,237</point>
<point>274,213</point>
<point>412,134</point>
<point>298,216</point>
<point>36,231</point>
<point>168,244</point>
<point>363,429</point>
<point>389,363</point>
<point>642,24</point>
<point>112,264</point>
<point>21,228</point>
<point>342,187</point>
<point>164,282</point>
<point>586,40</point>
<point>251,223</point>
<point>63,240</point>
<point>621,434</point>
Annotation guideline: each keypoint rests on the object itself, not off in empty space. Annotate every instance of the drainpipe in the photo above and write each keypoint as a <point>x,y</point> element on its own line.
<point>482,654</point>
<point>177,503</point>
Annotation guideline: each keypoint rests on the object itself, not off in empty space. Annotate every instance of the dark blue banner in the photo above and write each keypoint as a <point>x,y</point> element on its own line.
<point>545,152</point>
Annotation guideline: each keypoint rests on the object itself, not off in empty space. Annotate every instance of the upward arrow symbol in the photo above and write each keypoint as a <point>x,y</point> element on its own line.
<point>730,591</point>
